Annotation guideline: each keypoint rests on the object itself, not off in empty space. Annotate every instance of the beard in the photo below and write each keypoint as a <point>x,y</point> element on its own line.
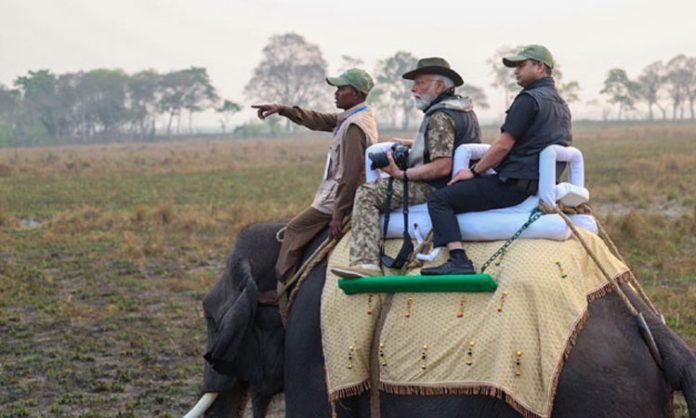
<point>424,100</point>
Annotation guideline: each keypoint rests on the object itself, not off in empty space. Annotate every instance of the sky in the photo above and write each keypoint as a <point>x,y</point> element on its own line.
<point>587,38</point>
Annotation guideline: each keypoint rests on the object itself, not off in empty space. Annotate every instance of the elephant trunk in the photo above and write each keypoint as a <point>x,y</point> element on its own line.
<point>689,387</point>
<point>679,363</point>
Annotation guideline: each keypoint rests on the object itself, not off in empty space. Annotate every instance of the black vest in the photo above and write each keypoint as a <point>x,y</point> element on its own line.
<point>551,125</point>
<point>466,131</point>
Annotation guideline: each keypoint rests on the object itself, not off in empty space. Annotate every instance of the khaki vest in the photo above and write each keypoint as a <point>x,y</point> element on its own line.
<point>325,198</point>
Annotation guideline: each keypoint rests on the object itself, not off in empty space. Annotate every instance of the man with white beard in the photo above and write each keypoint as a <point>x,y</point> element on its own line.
<point>449,120</point>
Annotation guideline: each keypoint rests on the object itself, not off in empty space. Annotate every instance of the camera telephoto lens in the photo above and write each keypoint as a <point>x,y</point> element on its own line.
<point>379,160</point>
<point>399,153</point>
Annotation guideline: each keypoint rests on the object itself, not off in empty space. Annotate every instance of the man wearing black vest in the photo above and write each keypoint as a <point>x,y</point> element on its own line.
<point>538,117</point>
<point>448,120</point>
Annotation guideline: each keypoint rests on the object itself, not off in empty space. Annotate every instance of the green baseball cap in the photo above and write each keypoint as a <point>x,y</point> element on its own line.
<point>530,52</point>
<point>355,77</point>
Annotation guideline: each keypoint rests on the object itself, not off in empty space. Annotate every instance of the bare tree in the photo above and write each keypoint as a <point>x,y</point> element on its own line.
<point>691,86</point>
<point>393,91</point>
<point>226,111</point>
<point>189,90</point>
<point>678,79</point>
<point>504,77</point>
<point>570,91</point>
<point>652,83</point>
<point>291,71</point>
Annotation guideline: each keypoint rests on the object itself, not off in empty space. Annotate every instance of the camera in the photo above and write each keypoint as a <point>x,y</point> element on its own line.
<point>399,153</point>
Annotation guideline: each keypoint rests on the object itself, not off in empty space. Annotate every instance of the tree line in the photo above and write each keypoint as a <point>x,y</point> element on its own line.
<point>108,104</point>
<point>82,107</point>
<point>665,86</point>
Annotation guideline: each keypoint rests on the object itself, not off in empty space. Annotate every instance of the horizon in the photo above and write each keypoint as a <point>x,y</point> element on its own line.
<point>227,39</point>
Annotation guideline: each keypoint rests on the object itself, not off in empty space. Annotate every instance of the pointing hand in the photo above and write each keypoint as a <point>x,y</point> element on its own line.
<point>266,110</point>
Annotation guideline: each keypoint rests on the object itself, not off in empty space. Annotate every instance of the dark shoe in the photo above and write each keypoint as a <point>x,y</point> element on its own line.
<point>450,267</point>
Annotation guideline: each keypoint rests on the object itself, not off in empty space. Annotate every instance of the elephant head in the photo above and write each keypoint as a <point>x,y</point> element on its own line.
<point>245,340</point>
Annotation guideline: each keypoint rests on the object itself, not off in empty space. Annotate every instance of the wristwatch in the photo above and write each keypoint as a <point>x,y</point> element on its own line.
<point>474,172</point>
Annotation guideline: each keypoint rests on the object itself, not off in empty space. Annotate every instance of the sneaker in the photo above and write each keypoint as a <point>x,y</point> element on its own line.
<point>357,271</point>
<point>450,267</point>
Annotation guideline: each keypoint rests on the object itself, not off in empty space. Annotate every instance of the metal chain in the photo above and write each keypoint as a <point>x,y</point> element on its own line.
<point>536,214</point>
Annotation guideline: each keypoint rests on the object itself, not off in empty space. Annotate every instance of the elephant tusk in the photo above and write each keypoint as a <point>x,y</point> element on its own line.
<point>203,404</point>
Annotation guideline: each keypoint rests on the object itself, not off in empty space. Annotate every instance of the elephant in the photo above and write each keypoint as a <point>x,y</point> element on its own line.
<point>245,332</point>
<point>609,373</point>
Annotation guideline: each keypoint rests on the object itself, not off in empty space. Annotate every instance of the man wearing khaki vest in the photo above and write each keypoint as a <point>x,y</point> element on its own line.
<point>354,130</point>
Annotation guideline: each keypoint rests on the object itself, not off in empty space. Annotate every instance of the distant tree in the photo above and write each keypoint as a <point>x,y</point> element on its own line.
<point>570,91</point>
<point>256,129</point>
<point>652,83</point>
<point>503,77</point>
<point>39,99</point>
<point>620,90</point>
<point>226,111</point>
<point>143,95</point>
<point>691,85</point>
<point>348,62</point>
<point>201,94</point>
<point>9,102</point>
<point>476,94</point>
<point>188,89</point>
<point>679,77</point>
<point>291,71</point>
<point>102,95</point>
<point>393,91</point>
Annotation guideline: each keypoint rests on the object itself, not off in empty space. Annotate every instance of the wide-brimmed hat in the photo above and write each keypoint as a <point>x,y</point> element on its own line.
<point>355,77</point>
<point>434,65</point>
<point>530,52</point>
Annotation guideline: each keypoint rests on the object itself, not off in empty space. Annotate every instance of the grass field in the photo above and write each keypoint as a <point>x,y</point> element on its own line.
<point>107,251</point>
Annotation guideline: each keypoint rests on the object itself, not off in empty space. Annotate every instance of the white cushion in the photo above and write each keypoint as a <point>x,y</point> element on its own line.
<point>501,224</point>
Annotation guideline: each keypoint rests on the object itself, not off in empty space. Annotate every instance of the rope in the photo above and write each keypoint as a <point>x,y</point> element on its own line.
<point>634,282</point>
<point>536,214</point>
<point>374,356</point>
<point>585,209</point>
<point>427,242</point>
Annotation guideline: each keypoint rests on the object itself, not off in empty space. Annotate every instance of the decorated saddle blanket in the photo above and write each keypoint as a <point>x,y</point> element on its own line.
<point>510,344</point>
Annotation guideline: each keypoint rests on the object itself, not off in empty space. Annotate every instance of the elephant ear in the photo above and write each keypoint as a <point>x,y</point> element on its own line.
<point>233,326</point>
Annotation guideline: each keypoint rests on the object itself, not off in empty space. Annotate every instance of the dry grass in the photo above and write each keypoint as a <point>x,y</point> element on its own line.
<point>149,159</point>
<point>107,251</point>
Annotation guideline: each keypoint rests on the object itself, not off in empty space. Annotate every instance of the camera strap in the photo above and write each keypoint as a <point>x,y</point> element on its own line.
<point>407,247</point>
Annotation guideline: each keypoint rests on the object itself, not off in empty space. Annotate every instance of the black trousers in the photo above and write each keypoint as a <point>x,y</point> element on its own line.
<point>473,195</point>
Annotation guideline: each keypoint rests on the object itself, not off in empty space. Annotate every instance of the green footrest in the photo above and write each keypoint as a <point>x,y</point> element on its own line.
<point>394,284</point>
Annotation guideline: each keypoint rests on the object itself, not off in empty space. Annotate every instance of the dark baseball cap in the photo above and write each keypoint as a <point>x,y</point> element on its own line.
<point>530,52</point>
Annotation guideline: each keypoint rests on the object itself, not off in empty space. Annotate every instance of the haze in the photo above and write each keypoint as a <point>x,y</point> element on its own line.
<point>587,38</point>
